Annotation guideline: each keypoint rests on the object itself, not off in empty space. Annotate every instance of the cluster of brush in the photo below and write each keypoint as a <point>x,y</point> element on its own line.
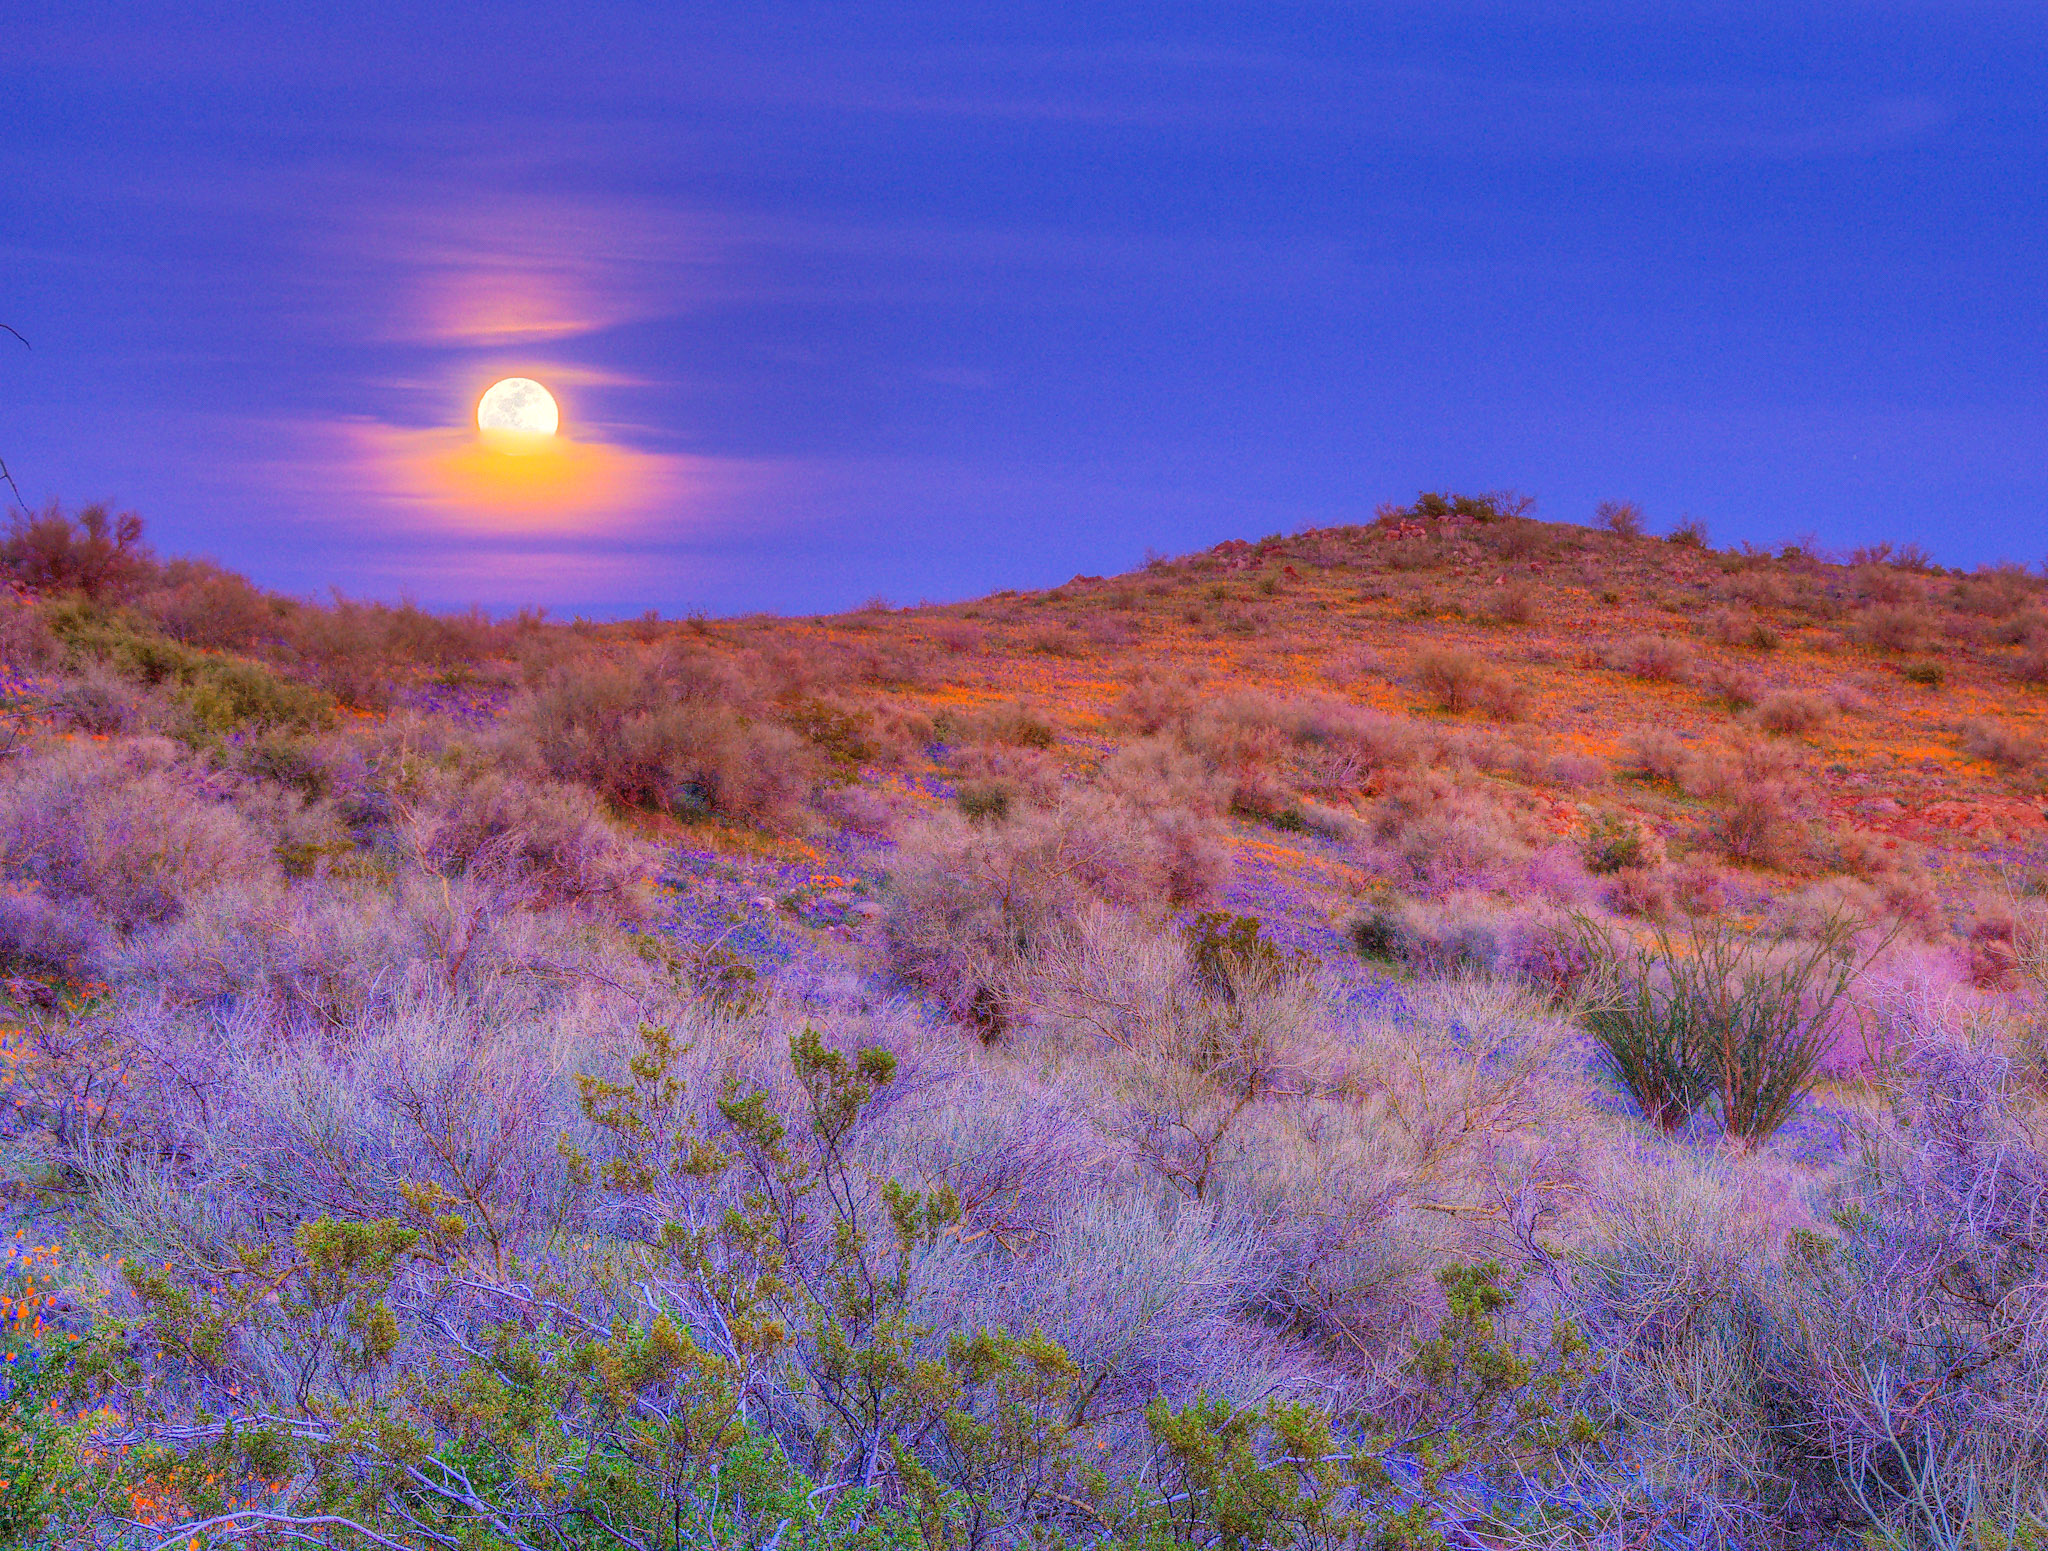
<point>421,1191</point>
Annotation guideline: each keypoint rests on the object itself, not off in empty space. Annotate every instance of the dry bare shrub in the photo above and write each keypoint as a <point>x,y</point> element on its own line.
<point>1513,604</point>
<point>1432,835</point>
<point>1450,679</point>
<point>1140,1294</point>
<point>969,908</point>
<point>1017,724</point>
<point>1656,658</point>
<point>1731,687</point>
<point>1013,1146</point>
<point>1996,592</point>
<point>97,701</point>
<point>1921,1352</point>
<point>1621,518</point>
<point>1746,630</point>
<point>1110,630</point>
<point>26,644</point>
<point>201,604</point>
<point>619,730</point>
<point>95,553</point>
<point>123,831</point>
<point>1760,588</point>
<point>1019,776</point>
<point>1893,628</point>
<point>1158,772</point>
<point>1791,713</point>
<point>861,810</point>
<point>539,844</point>
<point>1057,640</point>
<point>1639,891</point>
<point>1353,665</point>
<point>1766,824</point>
<point>1156,702</point>
<point>1341,745</point>
<point>1651,754</point>
<point>1998,744</point>
<point>959,636</point>
<point>1459,682</point>
<point>2031,666</point>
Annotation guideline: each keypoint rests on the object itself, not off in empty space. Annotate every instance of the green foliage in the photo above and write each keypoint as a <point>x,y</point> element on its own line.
<point>1492,1425</point>
<point>841,735</point>
<point>218,694</point>
<point>1722,1016</point>
<point>1614,842</point>
<point>1233,958</point>
<point>1379,933</point>
<point>985,802</point>
<point>1494,506</point>
<point>1929,675</point>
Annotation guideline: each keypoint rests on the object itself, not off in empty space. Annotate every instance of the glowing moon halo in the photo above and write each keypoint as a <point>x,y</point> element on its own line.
<point>518,406</point>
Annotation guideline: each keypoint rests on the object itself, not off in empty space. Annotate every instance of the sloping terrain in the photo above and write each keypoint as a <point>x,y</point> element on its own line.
<point>1461,1030</point>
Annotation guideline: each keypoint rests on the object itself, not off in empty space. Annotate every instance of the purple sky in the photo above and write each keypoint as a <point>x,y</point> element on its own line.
<point>923,300</point>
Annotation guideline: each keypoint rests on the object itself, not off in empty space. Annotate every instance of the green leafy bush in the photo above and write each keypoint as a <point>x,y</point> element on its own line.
<point>1720,1016</point>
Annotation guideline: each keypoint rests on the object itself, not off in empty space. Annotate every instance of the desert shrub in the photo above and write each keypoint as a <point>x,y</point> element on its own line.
<point>1378,932</point>
<point>1623,518</point>
<point>614,729</point>
<point>1995,591</point>
<point>1928,675</point>
<point>1656,658</point>
<point>1651,754</point>
<point>1058,641</point>
<point>1461,934</point>
<point>1918,1313</point>
<point>1729,629</point>
<point>1791,712</point>
<point>985,801</point>
<point>1617,841</point>
<point>959,636</point>
<point>1459,682</point>
<point>1493,506</point>
<point>1513,604</point>
<point>1638,891</point>
<point>97,702</point>
<point>95,553</point>
<point>1689,534</point>
<point>1162,773</point>
<point>1764,823</point>
<point>1450,679</point>
<point>540,845</point>
<point>2031,666</point>
<point>1723,1016</point>
<point>217,695</point>
<point>1999,745</point>
<point>1154,703</point>
<point>1233,958</point>
<point>969,908</point>
<point>1433,836</point>
<point>1023,775</point>
<point>122,832</point>
<point>1895,628</point>
<point>200,604</point>
<point>26,643</point>
<point>1521,540</point>
<point>1731,687</point>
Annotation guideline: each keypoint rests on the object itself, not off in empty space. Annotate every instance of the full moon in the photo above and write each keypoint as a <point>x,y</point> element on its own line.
<point>519,405</point>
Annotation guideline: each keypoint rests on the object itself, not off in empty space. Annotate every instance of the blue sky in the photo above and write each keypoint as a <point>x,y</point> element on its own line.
<point>924,300</point>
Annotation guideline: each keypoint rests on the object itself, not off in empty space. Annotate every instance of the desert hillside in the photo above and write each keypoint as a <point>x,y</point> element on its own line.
<point>1462,1030</point>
